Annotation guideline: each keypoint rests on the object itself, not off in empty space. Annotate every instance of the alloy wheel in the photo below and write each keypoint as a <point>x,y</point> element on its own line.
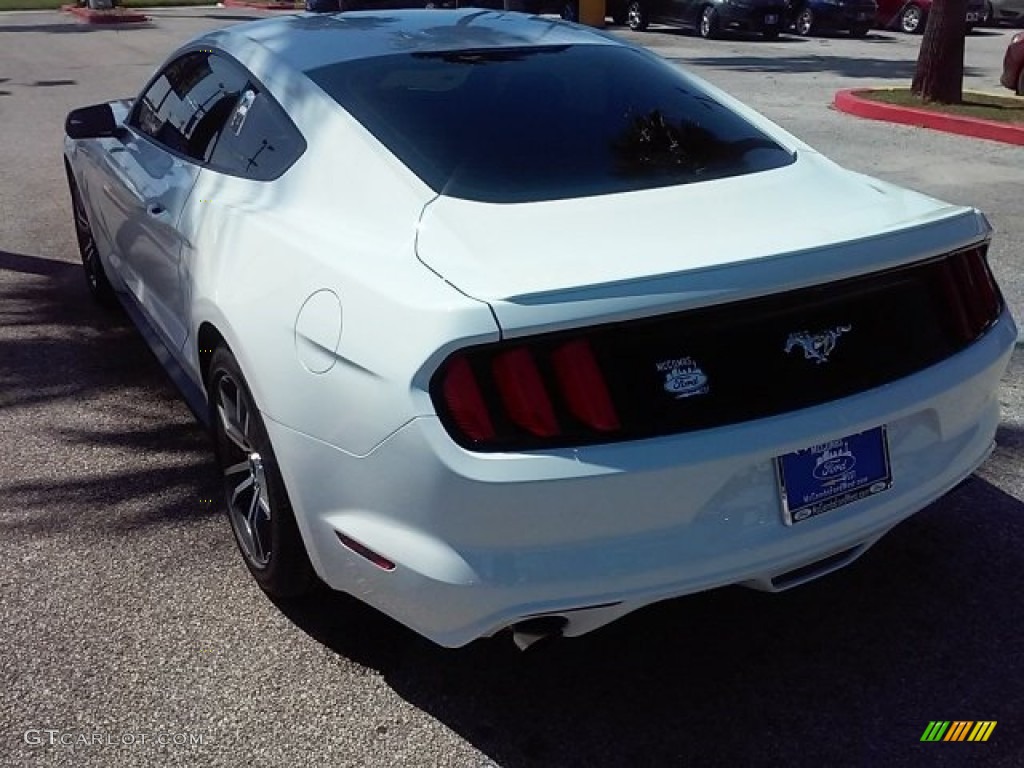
<point>708,23</point>
<point>910,19</point>
<point>95,277</point>
<point>635,17</point>
<point>805,22</point>
<point>245,476</point>
<point>86,243</point>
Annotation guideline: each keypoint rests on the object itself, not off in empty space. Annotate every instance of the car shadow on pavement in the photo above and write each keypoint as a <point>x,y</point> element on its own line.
<point>78,381</point>
<point>925,626</point>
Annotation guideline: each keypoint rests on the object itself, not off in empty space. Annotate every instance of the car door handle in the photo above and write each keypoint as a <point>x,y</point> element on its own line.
<point>155,209</point>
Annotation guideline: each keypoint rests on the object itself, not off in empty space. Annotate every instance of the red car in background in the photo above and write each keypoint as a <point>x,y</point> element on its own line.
<point>910,16</point>
<point>1013,65</point>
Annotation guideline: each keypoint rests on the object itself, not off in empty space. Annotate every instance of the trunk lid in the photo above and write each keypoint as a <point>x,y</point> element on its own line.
<point>548,265</point>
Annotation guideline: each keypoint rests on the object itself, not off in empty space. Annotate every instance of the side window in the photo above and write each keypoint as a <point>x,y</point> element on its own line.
<point>259,142</point>
<point>188,105</point>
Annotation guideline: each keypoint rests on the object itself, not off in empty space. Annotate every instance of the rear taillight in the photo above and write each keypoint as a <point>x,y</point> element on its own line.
<point>972,300</point>
<point>525,396</point>
<point>465,403</point>
<point>619,380</point>
<point>583,386</point>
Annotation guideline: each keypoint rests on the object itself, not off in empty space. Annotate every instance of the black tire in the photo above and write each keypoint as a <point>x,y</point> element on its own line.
<point>258,509</point>
<point>636,16</point>
<point>619,15</point>
<point>911,19</point>
<point>95,276</point>
<point>1020,83</point>
<point>804,22</point>
<point>860,31</point>
<point>707,26</point>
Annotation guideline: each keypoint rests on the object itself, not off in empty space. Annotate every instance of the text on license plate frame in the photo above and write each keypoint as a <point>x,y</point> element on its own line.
<point>823,477</point>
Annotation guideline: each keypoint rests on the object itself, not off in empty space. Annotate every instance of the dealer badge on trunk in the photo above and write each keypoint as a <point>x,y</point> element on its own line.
<point>683,377</point>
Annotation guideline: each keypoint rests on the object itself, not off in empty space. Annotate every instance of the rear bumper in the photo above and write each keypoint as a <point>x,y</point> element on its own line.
<point>483,541</point>
<point>752,19</point>
<point>843,17</point>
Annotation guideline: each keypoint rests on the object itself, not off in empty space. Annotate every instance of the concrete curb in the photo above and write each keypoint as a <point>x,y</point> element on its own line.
<point>851,102</point>
<point>113,16</point>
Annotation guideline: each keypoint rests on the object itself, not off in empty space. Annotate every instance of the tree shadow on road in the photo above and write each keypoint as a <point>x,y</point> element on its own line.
<point>78,381</point>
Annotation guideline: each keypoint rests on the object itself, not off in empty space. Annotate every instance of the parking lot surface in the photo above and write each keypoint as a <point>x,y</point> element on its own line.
<point>133,635</point>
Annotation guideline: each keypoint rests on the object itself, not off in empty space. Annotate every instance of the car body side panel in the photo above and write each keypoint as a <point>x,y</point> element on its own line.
<point>341,223</point>
<point>148,196</point>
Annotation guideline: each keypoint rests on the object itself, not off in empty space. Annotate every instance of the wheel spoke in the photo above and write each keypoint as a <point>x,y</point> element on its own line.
<point>258,552</point>
<point>258,505</point>
<point>228,409</point>
<point>254,507</point>
<point>241,488</point>
<point>234,469</point>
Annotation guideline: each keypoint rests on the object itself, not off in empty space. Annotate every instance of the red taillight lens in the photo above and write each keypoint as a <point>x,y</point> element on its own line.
<point>583,386</point>
<point>985,294</point>
<point>972,298</point>
<point>465,402</point>
<point>959,315</point>
<point>527,395</point>
<point>522,392</point>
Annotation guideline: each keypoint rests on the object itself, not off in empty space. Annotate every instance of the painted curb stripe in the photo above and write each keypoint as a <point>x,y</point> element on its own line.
<point>851,102</point>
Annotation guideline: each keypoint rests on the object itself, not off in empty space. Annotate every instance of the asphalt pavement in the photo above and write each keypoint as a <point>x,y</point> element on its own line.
<point>132,634</point>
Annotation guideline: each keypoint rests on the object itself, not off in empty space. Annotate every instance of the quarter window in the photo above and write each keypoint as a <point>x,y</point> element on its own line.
<point>188,105</point>
<point>259,142</point>
<point>207,108</point>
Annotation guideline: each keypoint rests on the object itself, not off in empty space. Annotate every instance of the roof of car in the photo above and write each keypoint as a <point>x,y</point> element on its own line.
<point>308,41</point>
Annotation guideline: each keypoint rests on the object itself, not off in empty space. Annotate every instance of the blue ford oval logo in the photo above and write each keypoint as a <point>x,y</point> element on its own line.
<point>835,461</point>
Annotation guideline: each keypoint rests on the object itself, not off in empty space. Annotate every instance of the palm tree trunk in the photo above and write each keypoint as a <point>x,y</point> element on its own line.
<point>940,62</point>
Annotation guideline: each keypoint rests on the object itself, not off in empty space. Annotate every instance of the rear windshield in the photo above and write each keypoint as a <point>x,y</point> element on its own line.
<point>546,123</point>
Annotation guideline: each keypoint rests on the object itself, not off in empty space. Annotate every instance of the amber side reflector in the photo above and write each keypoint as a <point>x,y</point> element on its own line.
<point>363,551</point>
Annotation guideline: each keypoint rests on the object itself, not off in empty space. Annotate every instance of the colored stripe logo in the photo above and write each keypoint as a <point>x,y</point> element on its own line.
<point>958,730</point>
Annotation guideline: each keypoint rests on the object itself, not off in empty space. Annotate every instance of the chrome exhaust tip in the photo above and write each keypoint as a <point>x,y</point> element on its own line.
<point>526,634</point>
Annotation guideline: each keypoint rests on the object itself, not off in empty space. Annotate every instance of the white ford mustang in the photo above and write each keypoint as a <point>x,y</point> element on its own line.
<point>500,322</point>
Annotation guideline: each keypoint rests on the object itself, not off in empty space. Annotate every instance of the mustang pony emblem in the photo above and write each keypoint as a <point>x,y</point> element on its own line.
<point>817,346</point>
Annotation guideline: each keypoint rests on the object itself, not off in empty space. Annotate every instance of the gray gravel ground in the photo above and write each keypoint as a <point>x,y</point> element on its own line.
<point>125,611</point>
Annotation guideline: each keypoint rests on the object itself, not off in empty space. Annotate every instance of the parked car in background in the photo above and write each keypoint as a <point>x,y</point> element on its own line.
<point>1013,65</point>
<point>910,16</point>
<point>1003,11</point>
<point>808,17</point>
<point>710,18</point>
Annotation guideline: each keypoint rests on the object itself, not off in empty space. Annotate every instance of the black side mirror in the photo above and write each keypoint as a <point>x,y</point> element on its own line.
<point>95,122</point>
